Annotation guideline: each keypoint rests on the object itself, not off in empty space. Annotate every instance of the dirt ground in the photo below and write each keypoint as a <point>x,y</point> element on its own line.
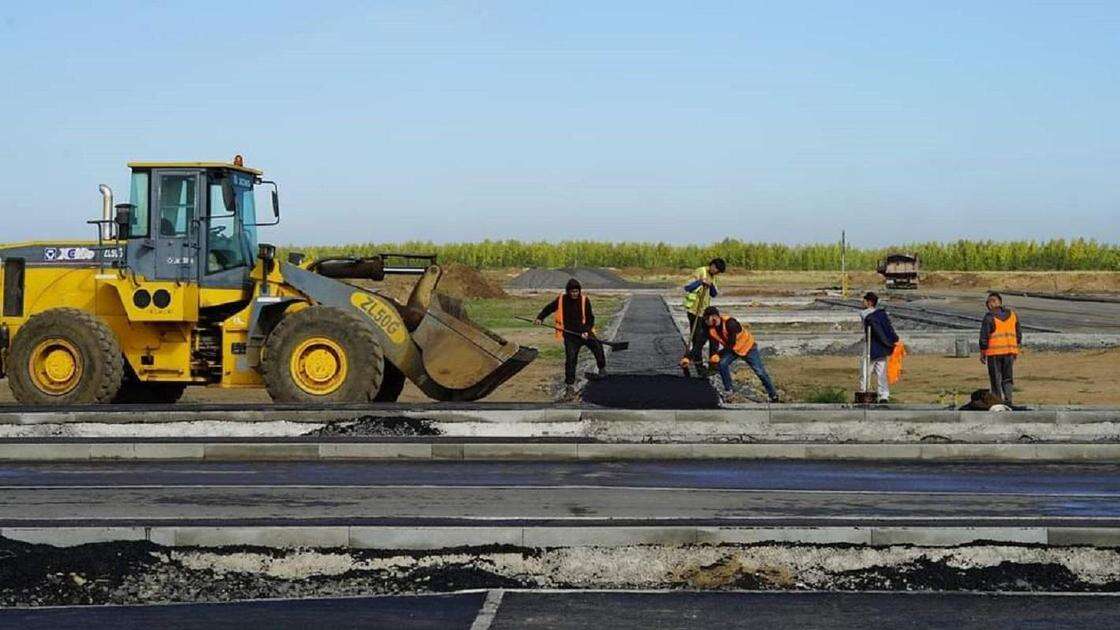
<point>1083,378</point>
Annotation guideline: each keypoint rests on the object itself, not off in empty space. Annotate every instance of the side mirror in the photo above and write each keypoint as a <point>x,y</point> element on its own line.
<point>123,220</point>
<point>229,195</point>
<point>275,201</point>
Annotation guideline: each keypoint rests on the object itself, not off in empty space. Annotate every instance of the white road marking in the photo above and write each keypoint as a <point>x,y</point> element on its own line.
<point>489,610</point>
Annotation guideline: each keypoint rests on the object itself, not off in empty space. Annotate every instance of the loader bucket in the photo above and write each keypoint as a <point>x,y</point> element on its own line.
<point>462,358</point>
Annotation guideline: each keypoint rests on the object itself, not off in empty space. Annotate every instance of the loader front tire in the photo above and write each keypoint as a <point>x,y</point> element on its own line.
<point>65,356</point>
<point>392,384</point>
<point>322,354</point>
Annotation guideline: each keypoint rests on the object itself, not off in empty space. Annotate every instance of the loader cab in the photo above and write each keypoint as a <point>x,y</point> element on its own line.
<point>193,222</point>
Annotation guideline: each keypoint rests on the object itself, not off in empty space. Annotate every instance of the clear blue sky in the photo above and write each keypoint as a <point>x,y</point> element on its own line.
<point>682,122</point>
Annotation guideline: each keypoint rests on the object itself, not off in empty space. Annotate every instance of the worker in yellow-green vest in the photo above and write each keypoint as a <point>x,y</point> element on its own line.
<point>698,294</point>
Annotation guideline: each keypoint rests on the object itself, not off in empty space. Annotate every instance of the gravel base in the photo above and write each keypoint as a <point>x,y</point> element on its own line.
<point>384,426</point>
<point>132,573</point>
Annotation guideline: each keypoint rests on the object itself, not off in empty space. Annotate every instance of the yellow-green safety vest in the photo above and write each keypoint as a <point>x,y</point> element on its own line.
<point>698,300</point>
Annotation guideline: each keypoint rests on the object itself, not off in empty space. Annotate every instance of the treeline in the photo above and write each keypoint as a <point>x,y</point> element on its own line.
<point>1058,254</point>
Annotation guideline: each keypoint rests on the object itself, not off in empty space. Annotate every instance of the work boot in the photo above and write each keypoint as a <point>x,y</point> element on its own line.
<point>596,376</point>
<point>775,399</point>
<point>571,394</point>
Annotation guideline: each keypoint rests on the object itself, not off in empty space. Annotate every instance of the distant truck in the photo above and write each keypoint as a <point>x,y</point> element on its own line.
<point>900,271</point>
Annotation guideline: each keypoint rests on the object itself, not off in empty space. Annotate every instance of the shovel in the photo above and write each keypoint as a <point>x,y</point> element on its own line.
<point>615,346</point>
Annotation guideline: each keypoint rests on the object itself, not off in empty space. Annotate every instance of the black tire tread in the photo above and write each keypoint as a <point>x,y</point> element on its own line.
<point>392,384</point>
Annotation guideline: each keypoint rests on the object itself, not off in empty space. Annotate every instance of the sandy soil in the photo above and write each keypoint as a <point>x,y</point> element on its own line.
<point>1084,378</point>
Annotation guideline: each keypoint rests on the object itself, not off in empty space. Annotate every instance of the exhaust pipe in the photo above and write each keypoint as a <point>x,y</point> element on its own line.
<point>106,212</point>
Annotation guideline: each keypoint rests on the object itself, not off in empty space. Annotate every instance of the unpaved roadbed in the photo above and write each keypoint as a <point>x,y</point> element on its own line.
<point>139,572</point>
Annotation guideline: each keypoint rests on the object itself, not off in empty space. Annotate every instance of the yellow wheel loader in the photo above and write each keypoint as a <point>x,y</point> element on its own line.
<point>176,291</point>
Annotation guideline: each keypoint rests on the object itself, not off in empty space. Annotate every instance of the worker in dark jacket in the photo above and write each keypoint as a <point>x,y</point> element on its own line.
<point>878,329</point>
<point>734,342</point>
<point>1000,341</point>
<point>572,313</point>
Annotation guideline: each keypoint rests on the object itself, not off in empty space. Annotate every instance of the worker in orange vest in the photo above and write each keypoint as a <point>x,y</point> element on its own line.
<point>1000,340</point>
<point>572,312</point>
<point>735,342</point>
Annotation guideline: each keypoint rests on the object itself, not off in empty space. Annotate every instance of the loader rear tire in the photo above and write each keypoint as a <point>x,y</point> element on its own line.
<point>65,356</point>
<point>322,354</point>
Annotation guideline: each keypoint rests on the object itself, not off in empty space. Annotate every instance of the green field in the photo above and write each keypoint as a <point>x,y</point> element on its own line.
<point>1053,255</point>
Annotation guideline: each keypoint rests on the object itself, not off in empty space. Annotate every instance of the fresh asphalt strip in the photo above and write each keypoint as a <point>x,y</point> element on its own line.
<point>604,610</point>
<point>551,494</point>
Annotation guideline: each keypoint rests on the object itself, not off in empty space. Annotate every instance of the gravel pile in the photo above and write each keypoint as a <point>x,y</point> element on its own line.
<point>383,426</point>
<point>589,277</point>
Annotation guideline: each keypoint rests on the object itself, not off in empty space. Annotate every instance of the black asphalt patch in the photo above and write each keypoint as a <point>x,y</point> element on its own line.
<point>648,376</point>
<point>381,426</point>
<point>651,391</point>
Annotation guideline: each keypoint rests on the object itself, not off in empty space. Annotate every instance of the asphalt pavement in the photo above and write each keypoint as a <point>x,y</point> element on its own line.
<point>604,611</point>
<point>1066,316</point>
<point>576,493</point>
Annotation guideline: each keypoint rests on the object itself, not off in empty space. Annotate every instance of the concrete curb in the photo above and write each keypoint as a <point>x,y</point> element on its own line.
<point>550,451</point>
<point>386,537</point>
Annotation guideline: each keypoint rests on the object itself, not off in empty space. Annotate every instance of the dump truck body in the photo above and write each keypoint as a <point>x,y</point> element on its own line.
<point>900,271</point>
<point>181,294</point>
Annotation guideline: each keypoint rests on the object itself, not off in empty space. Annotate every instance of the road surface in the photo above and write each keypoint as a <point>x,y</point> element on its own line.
<point>572,493</point>
<point>603,611</point>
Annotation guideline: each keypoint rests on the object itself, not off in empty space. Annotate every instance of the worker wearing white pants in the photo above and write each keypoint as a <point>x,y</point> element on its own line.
<point>881,339</point>
<point>879,371</point>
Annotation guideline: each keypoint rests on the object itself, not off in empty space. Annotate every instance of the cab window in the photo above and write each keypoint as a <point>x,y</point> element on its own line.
<point>229,242</point>
<point>138,222</point>
<point>176,204</point>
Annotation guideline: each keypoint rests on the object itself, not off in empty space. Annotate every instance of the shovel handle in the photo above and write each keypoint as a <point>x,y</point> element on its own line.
<point>613,345</point>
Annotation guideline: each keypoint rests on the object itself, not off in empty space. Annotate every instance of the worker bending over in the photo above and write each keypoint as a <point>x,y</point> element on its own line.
<point>575,325</point>
<point>735,342</point>
<point>698,296</point>
<point>1000,340</point>
<point>878,329</point>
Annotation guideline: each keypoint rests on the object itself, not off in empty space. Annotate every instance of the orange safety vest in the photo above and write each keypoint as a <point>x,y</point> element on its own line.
<point>1003,339</point>
<point>560,314</point>
<point>743,342</point>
